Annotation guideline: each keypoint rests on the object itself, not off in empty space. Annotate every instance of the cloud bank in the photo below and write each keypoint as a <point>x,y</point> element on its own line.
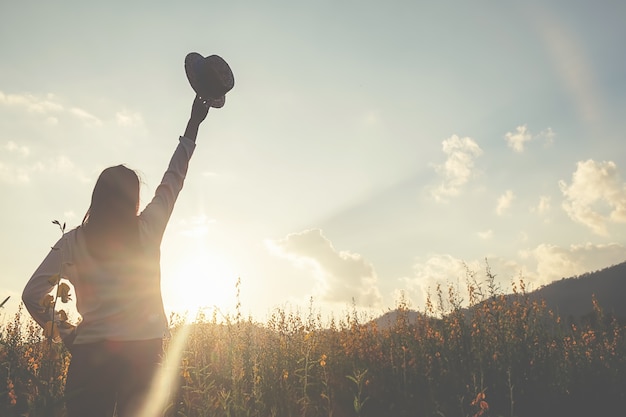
<point>537,266</point>
<point>341,276</point>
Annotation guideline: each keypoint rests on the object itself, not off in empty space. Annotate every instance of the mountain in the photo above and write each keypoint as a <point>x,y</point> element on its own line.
<point>570,298</point>
<point>390,318</point>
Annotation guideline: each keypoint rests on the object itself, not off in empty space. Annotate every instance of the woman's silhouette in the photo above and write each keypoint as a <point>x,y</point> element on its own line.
<point>113,261</point>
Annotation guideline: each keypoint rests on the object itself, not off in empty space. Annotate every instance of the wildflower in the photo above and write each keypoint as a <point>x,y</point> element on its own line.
<point>186,375</point>
<point>480,402</point>
<point>11,392</point>
<point>323,360</point>
<point>64,292</point>
<point>47,301</point>
<point>185,370</point>
<point>62,320</point>
<point>479,397</point>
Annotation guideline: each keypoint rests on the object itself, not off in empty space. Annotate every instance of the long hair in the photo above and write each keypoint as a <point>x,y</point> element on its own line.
<point>111,223</point>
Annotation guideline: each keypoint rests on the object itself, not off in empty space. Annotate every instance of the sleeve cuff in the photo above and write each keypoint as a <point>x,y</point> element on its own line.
<point>186,141</point>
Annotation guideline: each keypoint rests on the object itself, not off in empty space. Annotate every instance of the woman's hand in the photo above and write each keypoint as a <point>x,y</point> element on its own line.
<point>199,111</point>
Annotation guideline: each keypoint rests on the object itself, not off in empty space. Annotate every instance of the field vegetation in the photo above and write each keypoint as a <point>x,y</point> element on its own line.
<point>502,356</point>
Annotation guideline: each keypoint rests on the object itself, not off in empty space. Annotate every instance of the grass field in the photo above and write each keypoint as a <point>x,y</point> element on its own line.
<point>508,357</point>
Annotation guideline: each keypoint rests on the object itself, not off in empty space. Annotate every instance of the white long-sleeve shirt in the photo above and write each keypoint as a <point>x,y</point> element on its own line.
<point>115,306</point>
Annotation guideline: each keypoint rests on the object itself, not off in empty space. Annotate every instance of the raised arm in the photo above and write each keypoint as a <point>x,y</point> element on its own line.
<point>199,111</point>
<point>155,216</point>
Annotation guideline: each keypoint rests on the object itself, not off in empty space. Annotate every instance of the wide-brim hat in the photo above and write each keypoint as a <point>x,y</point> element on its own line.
<point>211,77</point>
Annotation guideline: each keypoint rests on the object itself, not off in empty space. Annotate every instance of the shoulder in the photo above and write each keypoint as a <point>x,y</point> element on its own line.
<point>73,235</point>
<point>71,240</point>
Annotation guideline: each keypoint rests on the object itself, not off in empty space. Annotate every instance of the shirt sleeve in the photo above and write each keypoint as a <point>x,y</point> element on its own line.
<point>39,284</point>
<point>155,216</point>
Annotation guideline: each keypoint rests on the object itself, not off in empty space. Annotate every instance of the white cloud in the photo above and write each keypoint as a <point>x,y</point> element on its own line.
<point>13,175</point>
<point>596,196</point>
<point>49,106</point>
<point>459,165</point>
<point>128,119</point>
<point>504,202</point>
<point>32,103</point>
<point>342,276</point>
<point>550,262</point>
<point>516,140</point>
<point>59,166</point>
<point>537,266</point>
<point>10,173</point>
<point>543,207</point>
<point>14,147</point>
<point>85,116</point>
<point>547,135</point>
<point>486,235</point>
<point>439,270</point>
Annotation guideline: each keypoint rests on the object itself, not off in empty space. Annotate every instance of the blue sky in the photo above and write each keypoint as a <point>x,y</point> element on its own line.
<point>367,149</point>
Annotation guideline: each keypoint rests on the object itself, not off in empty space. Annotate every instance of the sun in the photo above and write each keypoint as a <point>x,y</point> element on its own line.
<point>199,281</point>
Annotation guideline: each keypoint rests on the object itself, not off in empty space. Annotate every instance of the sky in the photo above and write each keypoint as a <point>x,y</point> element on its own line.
<point>368,152</point>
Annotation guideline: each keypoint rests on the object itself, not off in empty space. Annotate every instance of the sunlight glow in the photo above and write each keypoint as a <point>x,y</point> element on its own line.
<point>163,383</point>
<point>202,280</point>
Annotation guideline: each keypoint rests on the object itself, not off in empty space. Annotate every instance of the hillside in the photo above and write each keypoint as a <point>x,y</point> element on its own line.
<point>570,298</point>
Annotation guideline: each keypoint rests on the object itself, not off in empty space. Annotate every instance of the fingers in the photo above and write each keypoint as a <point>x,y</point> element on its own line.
<point>200,109</point>
<point>203,101</point>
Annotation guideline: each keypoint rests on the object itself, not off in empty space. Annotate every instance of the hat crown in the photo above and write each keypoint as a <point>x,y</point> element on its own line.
<point>210,77</point>
<point>214,76</point>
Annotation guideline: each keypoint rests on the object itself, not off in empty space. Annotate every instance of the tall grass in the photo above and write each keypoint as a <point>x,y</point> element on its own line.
<point>506,356</point>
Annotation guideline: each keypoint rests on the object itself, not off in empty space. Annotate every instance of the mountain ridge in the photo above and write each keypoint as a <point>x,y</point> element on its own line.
<point>570,298</point>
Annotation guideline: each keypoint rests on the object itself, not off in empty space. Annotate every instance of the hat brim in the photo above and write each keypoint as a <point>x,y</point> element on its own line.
<point>191,69</point>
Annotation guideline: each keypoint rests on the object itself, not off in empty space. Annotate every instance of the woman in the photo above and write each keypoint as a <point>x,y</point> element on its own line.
<point>113,262</point>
